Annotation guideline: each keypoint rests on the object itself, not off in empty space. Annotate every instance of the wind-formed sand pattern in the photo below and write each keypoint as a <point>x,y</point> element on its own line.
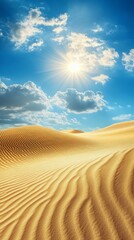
<point>66,186</point>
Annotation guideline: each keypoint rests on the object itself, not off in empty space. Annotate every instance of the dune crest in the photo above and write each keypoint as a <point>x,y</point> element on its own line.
<point>73,131</point>
<point>56,185</point>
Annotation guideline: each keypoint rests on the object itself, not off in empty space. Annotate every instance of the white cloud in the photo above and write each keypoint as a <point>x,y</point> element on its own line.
<point>60,21</point>
<point>122,117</point>
<point>53,118</point>
<point>83,49</point>
<point>97,29</point>
<point>31,26</point>
<point>59,39</point>
<point>108,57</point>
<point>58,30</point>
<point>128,60</point>
<point>102,78</point>
<point>27,28</point>
<point>43,117</point>
<point>35,45</point>
<point>79,102</point>
<point>61,119</point>
<point>79,41</point>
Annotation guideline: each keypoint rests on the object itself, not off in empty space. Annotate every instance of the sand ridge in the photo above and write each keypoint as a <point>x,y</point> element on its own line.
<point>57,185</point>
<point>73,131</point>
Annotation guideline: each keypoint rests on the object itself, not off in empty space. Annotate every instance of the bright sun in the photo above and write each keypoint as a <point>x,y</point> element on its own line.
<point>74,67</point>
<point>70,66</point>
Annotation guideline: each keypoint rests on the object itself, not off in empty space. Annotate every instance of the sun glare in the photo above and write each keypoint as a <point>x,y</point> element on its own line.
<point>70,67</point>
<point>74,67</point>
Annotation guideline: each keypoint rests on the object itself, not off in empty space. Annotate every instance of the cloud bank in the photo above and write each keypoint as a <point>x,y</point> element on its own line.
<point>79,102</point>
<point>28,104</point>
<point>26,97</point>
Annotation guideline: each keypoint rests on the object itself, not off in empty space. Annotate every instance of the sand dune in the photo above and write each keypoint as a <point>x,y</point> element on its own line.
<point>56,185</point>
<point>72,131</point>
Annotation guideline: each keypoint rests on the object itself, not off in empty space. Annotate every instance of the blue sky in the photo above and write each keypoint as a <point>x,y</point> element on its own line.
<point>66,64</point>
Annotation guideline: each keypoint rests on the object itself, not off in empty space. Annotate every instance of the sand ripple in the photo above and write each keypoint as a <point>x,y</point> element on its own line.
<point>79,191</point>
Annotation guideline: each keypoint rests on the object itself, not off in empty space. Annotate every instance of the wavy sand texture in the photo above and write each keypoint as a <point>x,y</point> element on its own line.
<point>57,185</point>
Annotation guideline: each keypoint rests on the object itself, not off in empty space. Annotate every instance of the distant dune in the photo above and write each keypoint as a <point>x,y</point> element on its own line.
<point>61,186</point>
<point>72,131</point>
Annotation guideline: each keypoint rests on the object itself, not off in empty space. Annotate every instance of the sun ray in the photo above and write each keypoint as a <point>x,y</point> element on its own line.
<point>70,67</point>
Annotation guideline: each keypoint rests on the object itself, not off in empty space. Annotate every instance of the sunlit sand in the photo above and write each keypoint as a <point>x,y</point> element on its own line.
<point>61,185</point>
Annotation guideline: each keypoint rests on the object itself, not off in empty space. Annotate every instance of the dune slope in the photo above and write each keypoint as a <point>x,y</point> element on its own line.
<point>57,185</point>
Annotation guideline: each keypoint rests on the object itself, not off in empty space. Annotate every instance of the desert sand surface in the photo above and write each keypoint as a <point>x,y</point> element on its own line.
<point>66,186</point>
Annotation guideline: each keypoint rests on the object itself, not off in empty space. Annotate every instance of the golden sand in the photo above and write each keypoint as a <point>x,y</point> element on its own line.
<point>60,185</point>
